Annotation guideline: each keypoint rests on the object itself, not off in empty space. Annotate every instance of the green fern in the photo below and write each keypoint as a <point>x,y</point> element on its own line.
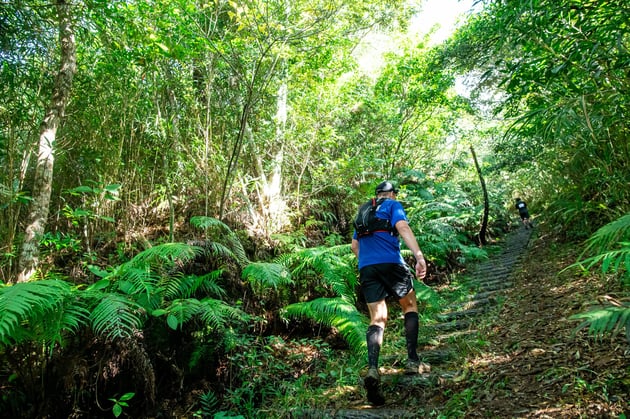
<point>224,236</point>
<point>209,404</point>
<point>185,286</point>
<point>220,315</point>
<point>609,235</point>
<point>334,312</point>
<point>40,310</point>
<point>212,313</point>
<point>334,267</point>
<point>141,284</point>
<point>179,312</point>
<point>116,306</point>
<point>613,260</point>
<point>605,320</point>
<point>167,254</point>
<point>266,275</point>
<point>611,243</point>
<point>152,274</point>
<point>116,316</point>
<point>425,293</point>
<point>615,234</point>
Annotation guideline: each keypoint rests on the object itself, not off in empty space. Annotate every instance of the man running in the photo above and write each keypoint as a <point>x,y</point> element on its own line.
<point>383,273</point>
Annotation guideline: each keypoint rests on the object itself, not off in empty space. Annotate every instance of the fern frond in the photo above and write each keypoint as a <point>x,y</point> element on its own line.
<point>605,320</point>
<point>340,274</point>
<point>39,310</point>
<point>226,236</point>
<point>335,267</point>
<point>609,235</point>
<point>610,261</point>
<point>266,275</point>
<point>28,302</point>
<point>220,250</point>
<point>210,284</point>
<point>209,404</point>
<point>185,286</point>
<point>334,312</point>
<point>603,243</point>
<point>116,316</point>
<point>70,319</point>
<point>204,222</point>
<point>218,314</point>
<point>167,254</point>
<point>340,250</point>
<point>181,311</point>
<point>142,284</point>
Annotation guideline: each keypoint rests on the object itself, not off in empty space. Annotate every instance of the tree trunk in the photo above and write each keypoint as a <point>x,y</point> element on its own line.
<point>42,186</point>
<point>486,205</point>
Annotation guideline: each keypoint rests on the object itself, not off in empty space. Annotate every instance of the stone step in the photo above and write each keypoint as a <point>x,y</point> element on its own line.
<point>455,315</point>
<point>472,302</point>
<point>365,413</point>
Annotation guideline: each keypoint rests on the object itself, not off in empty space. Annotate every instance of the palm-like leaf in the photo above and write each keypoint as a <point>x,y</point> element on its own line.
<point>612,247</point>
<point>168,254</point>
<point>605,320</point>
<point>181,311</point>
<point>226,236</point>
<point>337,313</point>
<point>39,310</point>
<point>185,286</point>
<point>266,275</point>
<point>218,314</point>
<point>333,265</point>
<point>609,235</point>
<point>613,235</point>
<point>613,260</point>
<point>116,316</point>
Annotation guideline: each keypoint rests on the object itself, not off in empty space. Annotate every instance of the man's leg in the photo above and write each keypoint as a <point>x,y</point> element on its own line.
<point>409,305</point>
<point>374,338</point>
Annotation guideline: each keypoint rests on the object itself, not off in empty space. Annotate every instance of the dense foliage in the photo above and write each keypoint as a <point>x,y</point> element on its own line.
<point>212,154</point>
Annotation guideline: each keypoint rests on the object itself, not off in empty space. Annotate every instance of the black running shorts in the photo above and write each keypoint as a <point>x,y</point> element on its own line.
<point>384,280</point>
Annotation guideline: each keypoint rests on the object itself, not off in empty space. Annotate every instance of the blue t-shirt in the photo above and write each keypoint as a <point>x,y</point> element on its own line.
<point>382,247</point>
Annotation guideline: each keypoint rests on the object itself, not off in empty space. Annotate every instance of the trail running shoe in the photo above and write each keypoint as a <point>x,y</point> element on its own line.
<point>371,382</point>
<point>416,367</point>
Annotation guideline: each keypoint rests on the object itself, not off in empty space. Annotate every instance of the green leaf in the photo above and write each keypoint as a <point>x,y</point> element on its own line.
<point>97,271</point>
<point>127,396</point>
<point>172,321</point>
<point>114,187</point>
<point>80,190</point>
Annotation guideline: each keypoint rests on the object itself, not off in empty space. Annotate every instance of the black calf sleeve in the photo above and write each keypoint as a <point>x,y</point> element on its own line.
<point>411,334</point>
<point>374,337</point>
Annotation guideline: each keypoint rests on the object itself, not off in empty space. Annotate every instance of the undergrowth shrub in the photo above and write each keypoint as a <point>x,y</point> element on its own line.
<point>609,249</point>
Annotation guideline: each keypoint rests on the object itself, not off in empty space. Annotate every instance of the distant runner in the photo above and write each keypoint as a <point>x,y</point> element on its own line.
<point>521,206</point>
